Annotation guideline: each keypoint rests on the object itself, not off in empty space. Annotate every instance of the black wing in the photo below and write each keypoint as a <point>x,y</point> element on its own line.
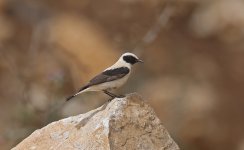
<point>109,75</point>
<point>105,76</point>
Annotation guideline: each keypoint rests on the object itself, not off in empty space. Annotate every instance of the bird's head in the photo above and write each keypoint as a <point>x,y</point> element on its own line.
<point>130,58</point>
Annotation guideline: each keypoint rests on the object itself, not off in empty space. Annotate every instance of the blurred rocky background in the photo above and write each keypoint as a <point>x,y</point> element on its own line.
<point>193,75</point>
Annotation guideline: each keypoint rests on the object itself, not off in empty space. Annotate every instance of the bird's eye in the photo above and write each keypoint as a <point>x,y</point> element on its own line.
<point>130,59</point>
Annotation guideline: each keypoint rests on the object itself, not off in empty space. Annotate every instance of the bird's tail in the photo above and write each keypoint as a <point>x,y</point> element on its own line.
<point>80,91</point>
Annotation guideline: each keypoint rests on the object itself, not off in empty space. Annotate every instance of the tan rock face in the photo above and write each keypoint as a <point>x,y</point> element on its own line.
<point>124,123</point>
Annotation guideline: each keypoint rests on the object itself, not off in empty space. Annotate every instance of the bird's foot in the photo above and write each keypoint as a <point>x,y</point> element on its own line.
<point>120,96</point>
<point>110,99</point>
<point>117,96</point>
<point>113,95</point>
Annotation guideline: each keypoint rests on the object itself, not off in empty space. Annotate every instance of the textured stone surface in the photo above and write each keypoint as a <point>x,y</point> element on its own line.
<point>124,123</point>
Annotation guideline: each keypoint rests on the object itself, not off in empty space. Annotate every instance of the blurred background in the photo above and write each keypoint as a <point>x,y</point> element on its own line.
<point>193,75</point>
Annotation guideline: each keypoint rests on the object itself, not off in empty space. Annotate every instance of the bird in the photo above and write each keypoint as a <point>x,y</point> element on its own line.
<point>111,78</point>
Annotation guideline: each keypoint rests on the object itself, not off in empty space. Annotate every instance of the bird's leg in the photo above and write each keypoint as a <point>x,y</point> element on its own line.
<point>113,95</point>
<point>109,93</point>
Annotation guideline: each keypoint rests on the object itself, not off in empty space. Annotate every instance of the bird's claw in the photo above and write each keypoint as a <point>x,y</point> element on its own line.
<point>120,96</point>
<point>117,96</point>
<point>110,99</point>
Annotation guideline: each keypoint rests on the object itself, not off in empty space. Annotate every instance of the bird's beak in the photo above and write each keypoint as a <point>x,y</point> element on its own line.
<point>139,60</point>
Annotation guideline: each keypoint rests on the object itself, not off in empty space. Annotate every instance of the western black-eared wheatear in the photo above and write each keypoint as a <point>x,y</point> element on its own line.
<point>112,77</point>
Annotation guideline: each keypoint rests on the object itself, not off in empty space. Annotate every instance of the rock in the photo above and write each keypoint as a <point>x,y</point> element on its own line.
<point>124,123</point>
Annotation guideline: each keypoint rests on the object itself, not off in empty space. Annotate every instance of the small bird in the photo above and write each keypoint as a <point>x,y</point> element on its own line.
<point>112,77</point>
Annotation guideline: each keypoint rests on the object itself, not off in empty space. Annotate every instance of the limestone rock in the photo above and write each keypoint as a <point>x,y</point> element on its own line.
<point>124,123</point>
